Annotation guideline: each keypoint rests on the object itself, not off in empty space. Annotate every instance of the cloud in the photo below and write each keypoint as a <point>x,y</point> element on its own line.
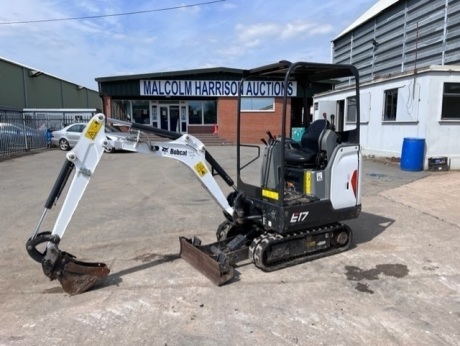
<point>303,29</point>
<point>235,33</point>
<point>253,35</point>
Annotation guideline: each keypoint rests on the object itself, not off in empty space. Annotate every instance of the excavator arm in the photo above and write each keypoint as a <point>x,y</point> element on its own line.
<point>76,276</point>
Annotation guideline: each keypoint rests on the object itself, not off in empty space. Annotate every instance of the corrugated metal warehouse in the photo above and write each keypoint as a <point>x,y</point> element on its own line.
<point>32,101</point>
<point>407,52</point>
<point>26,87</point>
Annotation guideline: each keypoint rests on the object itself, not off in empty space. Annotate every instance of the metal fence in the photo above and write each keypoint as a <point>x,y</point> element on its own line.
<point>22,131</point>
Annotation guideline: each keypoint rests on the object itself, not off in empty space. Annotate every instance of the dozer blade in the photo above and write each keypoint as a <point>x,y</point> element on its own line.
<point>215,265</point>
<point>77,277</point>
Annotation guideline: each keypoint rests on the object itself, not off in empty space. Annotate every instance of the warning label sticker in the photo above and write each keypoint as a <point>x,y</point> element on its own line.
<point>201,169</point>
<point>93,129</point>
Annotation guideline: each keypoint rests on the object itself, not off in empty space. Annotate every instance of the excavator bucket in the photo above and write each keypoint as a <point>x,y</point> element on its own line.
<point>215,261</point>
<point>77,277</point>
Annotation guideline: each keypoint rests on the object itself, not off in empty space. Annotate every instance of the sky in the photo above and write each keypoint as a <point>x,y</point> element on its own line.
<point>171,35</point>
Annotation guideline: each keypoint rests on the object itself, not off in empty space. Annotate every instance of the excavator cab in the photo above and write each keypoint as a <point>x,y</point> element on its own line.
<point>319,176</point>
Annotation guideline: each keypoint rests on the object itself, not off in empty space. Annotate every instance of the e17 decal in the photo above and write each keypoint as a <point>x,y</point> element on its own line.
<point>299,217</point>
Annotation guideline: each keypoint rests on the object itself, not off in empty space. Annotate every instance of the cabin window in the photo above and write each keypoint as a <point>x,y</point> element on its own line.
<point>391,105</point>
<point>351,109</point>
<point>451,101</point>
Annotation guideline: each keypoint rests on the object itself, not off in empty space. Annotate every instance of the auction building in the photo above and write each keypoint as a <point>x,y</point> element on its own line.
<point>205,101</point>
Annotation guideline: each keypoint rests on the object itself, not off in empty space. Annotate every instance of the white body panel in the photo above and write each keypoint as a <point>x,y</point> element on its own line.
<point>346,162</point>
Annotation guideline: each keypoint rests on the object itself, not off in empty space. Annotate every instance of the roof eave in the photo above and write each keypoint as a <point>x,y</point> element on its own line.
<point>155,75</point>
<point>376,9</point>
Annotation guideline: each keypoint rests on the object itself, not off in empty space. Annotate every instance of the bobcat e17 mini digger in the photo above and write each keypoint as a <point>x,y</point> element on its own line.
<point>291,217</point>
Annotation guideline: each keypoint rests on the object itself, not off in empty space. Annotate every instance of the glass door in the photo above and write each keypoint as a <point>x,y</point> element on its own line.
<point>154,113</point>
<point>174,123</point>
<point>170,118</point>
<point>164,117</point>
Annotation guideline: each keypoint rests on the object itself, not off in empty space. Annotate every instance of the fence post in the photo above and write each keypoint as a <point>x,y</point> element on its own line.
<point>26,140</point>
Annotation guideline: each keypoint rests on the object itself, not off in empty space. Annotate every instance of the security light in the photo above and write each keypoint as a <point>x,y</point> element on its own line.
<point>35,73</point>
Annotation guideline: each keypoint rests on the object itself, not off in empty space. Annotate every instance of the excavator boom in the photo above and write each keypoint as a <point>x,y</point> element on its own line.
<point>77,276</point>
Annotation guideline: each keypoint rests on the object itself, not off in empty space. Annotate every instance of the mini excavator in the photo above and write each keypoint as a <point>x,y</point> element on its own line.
<point>292,216</point>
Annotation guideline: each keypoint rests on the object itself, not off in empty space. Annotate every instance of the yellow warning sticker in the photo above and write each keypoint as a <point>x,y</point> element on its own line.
<point>308,183</point>
<point>201,169</point>
<point>93,129</point>
<point>270,194</point>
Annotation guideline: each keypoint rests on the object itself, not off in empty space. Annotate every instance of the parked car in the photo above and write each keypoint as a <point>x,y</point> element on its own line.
<point>115,137</point>
<point>67,137</point>
<point>15,136</point>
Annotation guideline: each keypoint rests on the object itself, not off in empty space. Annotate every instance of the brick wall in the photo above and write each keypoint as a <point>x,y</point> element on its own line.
<point>107,106</point>
<point>254,125</point>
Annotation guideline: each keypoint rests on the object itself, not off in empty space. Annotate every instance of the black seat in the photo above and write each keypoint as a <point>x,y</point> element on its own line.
<point>305,156</point>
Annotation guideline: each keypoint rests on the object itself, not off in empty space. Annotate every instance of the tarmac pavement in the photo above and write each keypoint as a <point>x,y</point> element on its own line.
<point>398,285</point>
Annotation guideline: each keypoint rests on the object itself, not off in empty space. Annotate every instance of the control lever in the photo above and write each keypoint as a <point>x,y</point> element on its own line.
<point>271,139</point>
<point>270,135</point>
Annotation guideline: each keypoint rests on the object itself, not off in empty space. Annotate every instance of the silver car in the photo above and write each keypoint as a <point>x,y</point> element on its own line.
<point>67,137</point>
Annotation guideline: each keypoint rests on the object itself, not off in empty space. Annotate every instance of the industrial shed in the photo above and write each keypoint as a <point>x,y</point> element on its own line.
<point>32,102</point>
<point>26,87</point>
<point>407,54</point>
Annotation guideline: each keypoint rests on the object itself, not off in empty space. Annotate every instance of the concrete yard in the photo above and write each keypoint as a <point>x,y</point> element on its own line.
<point>398,285</point>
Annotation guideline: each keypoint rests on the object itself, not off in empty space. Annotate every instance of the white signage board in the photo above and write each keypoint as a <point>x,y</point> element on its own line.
<point>215,88</point>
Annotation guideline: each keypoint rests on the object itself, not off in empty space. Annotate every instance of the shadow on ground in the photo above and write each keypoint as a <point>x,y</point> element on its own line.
<point>368,226</point>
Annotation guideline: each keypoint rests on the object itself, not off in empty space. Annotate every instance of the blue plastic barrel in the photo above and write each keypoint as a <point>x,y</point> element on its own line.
<point>413,150</point>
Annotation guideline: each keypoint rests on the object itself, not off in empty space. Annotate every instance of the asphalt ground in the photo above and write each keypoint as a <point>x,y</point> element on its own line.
<point>398,285</point>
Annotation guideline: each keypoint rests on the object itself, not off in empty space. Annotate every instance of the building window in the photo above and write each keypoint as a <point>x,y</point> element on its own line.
<point>257,104</point>
<point>351,109</point>
<point>202,112</point>
<point>210,112</point>
<point>121,109</point>
<point>451,101</point>
<point>391,104</point>
<point>194,112</point>
<point>141,112</point>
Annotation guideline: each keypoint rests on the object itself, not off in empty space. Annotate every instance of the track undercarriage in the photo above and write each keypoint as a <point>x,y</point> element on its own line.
<point>269,251</point>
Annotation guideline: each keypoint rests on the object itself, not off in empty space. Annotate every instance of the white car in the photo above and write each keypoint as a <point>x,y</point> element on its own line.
<point>115,137</point>
<point>67,137</point>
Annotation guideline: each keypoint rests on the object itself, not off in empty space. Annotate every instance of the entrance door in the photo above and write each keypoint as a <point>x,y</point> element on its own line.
<point>164,117</point>
<point>170,118</point>
<point>174,124</point>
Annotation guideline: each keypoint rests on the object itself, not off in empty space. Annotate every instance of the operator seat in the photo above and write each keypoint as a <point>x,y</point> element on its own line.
<point>305,155</point>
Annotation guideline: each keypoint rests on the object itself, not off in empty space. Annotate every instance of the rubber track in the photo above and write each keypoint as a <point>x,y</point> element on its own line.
<point>265,241</point>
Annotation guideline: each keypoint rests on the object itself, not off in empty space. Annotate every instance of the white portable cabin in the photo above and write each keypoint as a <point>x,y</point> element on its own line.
<point>423,104</point>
